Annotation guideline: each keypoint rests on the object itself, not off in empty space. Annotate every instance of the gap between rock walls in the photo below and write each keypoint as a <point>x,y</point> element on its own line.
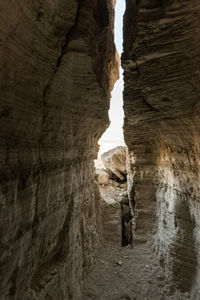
<point>111,164</point>
<point>138,219</point>
<point>136,236</point>
<point>112,182</point>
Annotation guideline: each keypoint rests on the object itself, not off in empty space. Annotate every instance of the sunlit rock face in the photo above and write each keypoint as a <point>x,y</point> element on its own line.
<point>114,161</point>
<point>58,65</point>
<point>161,62</point>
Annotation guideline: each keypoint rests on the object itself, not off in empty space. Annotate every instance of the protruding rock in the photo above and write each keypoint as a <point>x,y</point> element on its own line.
<point>115,161</point>
<point>124,198</point>
<point>102,176</point>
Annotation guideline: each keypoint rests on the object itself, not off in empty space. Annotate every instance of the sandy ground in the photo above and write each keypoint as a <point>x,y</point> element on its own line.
<point>128,273</point>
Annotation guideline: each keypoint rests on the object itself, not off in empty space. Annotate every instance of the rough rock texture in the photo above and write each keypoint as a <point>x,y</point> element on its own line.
<point>58,65</point>
<point>111,221</point>
<point>125,273</point>
<point>103,177</point>
<point>114,205</point>
<point>111,167</point>
<point>115,161</point>
<point>161,62</point>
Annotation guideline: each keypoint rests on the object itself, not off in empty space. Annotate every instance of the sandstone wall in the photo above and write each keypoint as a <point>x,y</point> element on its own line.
<point>161,62</point>
<point>58,65</point>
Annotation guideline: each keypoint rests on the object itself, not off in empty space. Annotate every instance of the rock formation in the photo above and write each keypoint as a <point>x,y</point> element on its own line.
<point>161,62</point>
<point>58,66</point>
<point>102,176</point>
<point>116,215</point>
<point>114,161</point>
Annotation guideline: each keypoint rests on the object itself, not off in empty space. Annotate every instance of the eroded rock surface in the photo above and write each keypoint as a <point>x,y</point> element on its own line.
<point>112,185</point>
<point>114,161</point>
<point>58,65</point>
<point>102,176</point>
<point>161,62</point>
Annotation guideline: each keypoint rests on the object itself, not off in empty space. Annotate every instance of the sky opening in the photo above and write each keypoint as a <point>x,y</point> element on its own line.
<point>113,136</point>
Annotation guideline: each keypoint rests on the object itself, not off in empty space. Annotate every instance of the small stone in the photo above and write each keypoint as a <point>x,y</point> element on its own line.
<point>119,262</point>
<point>149,281</point>
<point>116,293</point>
<point>147,266</point>
<point>147,89</point>
<point>116,273</point>
<point>125,257</point>
<point>102,261</point>
<point>187,295</point>
<point>160,277</point>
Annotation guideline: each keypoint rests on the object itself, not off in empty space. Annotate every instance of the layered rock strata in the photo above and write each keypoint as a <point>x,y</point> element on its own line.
<point>114,161</point>
<point>161,62</point>
<point>58,65</point>
<point>116,216</point>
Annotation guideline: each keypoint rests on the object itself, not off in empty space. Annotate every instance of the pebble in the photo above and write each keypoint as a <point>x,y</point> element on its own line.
<point>187,295</point>
<point>125,257</point>
<point>102,261</point>
<point>116,273</point>
<point>119,262</point>
<point>160,277</point>
<point>147,266</point>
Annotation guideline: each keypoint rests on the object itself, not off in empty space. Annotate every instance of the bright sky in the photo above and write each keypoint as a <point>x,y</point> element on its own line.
<point>114,134</point>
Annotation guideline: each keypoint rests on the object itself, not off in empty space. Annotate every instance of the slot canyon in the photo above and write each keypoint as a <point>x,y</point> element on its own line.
<point>131,230</point>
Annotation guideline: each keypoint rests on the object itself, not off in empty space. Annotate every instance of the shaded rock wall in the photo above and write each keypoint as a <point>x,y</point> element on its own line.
<point>111,220</point>
<point>58,65</point>
<point>161,62</point>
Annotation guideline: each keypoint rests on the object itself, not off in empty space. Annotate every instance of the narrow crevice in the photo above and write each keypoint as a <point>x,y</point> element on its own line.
<point>35,217</point>
<point>63,52</point>
<point>126,225</point>
<point>133,213</point>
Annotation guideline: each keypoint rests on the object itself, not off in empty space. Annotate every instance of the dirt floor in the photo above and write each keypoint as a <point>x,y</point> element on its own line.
<point>128,273</point>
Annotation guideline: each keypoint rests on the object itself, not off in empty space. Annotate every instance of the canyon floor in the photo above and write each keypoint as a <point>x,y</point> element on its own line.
<point>129,273</point>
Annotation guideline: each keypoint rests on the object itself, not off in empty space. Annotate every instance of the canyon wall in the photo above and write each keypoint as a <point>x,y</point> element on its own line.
<point>58,65</point>
<point>161,62</point>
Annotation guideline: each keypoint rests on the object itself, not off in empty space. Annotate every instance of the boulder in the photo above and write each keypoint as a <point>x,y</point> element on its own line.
<point>124,198</point>
<point>102,176</point>
<point>115,161</point>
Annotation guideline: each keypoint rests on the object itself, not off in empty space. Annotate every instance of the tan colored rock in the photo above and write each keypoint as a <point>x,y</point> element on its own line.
<point>58,66</point>
<point>102,176</point>
<point>161,62</point>
<point>111,222</point>
<point>115,161</point>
